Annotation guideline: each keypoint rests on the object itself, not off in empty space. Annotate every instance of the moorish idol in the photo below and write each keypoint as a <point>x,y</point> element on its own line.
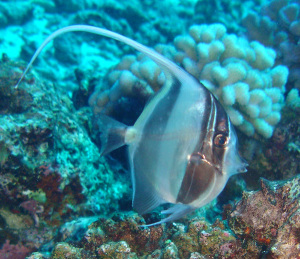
<point>182,148</point>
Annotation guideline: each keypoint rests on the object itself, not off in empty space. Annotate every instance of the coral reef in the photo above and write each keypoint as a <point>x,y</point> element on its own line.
<point>228,12</point>
<point>276,158</point>
<point>146,21</point>
<point>19,236</point>
<point>293,100</point>
<point>122,237</point>
<point>10,13</point>
<point>57,193</point>
<point>278,25</point>
<point>48,146</point>
<point>265,222</point>
<point>240,74</point>
<point>13,251</point>
<point>50,170</point>
<point>270,217</point>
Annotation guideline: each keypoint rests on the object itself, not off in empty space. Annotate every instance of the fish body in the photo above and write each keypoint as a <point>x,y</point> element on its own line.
<point>182,148</point>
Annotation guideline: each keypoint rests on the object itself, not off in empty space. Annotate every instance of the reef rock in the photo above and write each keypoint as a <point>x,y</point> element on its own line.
<point>270,217</point>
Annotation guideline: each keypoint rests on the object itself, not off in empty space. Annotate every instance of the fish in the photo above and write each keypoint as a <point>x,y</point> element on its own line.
<point>182,149</point>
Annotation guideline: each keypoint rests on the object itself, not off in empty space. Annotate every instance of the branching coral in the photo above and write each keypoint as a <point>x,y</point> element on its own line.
<point>227,12</point>
<point>278,26</point>
<point>241,75</point>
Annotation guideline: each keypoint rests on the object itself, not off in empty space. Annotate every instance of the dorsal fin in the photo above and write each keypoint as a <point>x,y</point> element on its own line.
<point>155,56</point>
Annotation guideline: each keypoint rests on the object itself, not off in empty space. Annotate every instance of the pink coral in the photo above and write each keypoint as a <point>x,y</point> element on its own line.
<point>13,251</point>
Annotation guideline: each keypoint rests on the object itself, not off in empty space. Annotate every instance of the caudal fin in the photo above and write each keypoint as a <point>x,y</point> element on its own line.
<point>112,133</point>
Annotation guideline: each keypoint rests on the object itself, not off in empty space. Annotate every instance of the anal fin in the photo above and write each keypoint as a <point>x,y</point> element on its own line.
<point>146,202</point>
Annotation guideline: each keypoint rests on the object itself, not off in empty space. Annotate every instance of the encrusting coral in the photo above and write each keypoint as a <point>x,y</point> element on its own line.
<point>264,222</point>
<point>122,237</point>
<point>239,73</point>
<point>270,217</point>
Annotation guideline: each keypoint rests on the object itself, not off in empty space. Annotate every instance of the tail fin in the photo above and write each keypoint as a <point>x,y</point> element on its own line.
<point>112,133</point>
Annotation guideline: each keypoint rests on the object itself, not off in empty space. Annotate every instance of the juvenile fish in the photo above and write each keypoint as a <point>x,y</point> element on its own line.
<point>182,148</point>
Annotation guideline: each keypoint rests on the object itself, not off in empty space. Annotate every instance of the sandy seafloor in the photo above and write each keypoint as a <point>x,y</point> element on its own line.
<point>60,199</point>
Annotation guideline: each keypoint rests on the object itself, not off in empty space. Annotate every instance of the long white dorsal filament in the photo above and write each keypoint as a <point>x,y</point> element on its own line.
<point>158,58</point>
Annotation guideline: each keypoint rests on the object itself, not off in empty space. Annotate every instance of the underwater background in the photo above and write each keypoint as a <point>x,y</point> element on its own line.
<point>60,199</point>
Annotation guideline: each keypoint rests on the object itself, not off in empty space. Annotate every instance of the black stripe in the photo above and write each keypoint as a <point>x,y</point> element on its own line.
<point>158,117</point>
<point>198,174</point>
<point>146,196</point>
<point>221,127</point>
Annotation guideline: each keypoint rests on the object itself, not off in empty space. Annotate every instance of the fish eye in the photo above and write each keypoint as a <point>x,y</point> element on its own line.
<point>220,140</point>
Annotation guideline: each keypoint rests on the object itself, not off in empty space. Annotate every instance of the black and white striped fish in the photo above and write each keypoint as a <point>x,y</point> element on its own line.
<point>182,148</point>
